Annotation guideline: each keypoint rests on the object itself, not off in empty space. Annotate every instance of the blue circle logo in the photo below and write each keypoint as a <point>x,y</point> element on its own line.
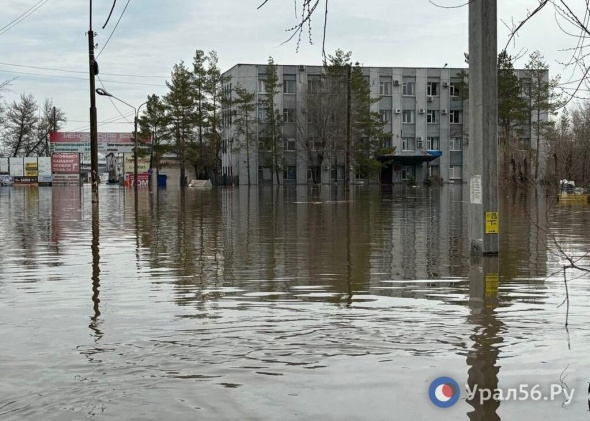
<point>444,392</point>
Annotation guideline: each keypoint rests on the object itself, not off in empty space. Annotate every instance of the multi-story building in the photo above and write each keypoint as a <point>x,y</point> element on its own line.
<point>425,119</point>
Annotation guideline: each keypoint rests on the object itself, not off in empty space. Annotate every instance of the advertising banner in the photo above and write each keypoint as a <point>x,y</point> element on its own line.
<point>44,166</point>
<point>142,180</point>
<point>65,163</point>
<point>17,168</point>
<point>31,166</point>
<point>3,165</point>
<point>25,181</point>
<point>143,163</point>
<point>107,142</point>
<point>66,180</point>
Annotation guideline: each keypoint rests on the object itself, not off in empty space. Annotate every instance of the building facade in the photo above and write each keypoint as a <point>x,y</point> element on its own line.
<point>424,114</point>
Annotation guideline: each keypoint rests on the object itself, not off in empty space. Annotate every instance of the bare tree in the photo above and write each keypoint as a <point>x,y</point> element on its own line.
<point>245,123</point>
<point>322,125</point>
<point>20,126</point>
<point>214,90</point>
<point>50,120</point>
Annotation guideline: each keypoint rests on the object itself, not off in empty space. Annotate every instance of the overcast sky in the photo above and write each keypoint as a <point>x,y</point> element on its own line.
<point>153,35</point>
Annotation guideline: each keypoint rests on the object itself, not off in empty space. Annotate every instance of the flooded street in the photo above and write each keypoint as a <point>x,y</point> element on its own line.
<point>290,303</point>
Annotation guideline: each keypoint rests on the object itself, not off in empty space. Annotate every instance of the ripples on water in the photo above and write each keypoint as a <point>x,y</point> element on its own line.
<point>280,304</point>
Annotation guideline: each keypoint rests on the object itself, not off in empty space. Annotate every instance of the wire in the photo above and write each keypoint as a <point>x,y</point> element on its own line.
<point>113,31</point>
<point>78,71</point>
<point>79,78</point>
<point>111,120</point>
<point>22,17</point>
<point>110,14</point>
<point>111,99</point>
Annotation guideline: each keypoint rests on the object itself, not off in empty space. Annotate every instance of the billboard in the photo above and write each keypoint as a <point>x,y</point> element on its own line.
<point>31,166</point>
<point>66,179</point>
<point>44,169</point>
<point>65,163</point>
<point>3,165</point>
<point>143,163</point>
<point>142,180</point>
<point>17,168</point>
<point>79,142</point>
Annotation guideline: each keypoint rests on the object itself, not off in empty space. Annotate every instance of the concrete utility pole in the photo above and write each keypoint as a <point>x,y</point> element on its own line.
<point>93,66</point>
<point>483,128</point>
<point>347,163</point>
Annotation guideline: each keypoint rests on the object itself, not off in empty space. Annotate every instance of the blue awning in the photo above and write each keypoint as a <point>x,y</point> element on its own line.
<point>410,160</point>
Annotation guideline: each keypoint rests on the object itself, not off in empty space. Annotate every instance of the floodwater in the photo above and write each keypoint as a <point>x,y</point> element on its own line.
<point>285,304</point>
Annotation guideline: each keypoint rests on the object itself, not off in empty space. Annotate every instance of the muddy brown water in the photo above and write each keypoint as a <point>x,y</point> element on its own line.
<point>284,304</point>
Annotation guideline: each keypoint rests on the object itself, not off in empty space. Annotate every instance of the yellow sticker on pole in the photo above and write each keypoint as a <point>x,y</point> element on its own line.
<point>492,281</point>
<point>492,225</point>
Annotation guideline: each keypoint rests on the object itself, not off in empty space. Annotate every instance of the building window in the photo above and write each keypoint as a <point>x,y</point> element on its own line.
<point>312,144</point>
<point>408,88</point>
<point>433,171</point>
<point>456,144</point>
<point>432,143</point>
<point>454,89</point>
<point>289,115</point>
<point>314,83</point>
<point>388,142</point>
<point>290,173</point>
<point>407,143</point>
<point>263,146</point>
<point>385,116</point>
<point>409,116</point>
<point>432,116</point>
<point>455,172</point>
<point>289,86</point>
<point>456,116</point>
<point>385,88</point>
<point>289,143</point>
<point>261,86</point>
<point>432,89</point>
<point>261,113</point>
<point>407,173</point>
<point>337,172</point>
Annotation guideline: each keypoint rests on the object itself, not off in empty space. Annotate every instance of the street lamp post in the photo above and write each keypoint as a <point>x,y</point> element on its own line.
<point>135,121</point>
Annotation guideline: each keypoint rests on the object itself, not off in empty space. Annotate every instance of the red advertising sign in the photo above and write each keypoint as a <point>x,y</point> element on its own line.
<point>65,163</point>
<point>75,137</point>
<point>142,180</point>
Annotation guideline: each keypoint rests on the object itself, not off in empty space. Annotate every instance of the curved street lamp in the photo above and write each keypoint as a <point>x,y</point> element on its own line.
<point>103,92</point>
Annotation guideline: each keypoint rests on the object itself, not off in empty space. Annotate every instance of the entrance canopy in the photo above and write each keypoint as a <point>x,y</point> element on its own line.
<point>409,160</point>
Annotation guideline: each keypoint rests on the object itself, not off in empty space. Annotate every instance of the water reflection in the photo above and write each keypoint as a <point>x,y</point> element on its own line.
<point>94,319</point>
<point>483,357</point>
<point>242,295</point>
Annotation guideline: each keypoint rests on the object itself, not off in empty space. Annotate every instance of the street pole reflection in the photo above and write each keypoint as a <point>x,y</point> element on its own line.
<point>136,214</point>
<point>94,319</point>
<point>348,251</point>
<point>482,359</point>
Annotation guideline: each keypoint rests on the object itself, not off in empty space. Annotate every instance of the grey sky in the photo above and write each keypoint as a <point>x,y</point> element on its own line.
<point>154,35</point>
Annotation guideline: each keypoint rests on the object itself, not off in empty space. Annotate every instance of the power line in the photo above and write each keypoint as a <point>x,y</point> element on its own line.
<point>111,99</point>
<point>114,29</point>
<point>79,78</point>
<point>112,120</point>
<point>78,71</point>
<point>110,14</point>
<point>22,17</point>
